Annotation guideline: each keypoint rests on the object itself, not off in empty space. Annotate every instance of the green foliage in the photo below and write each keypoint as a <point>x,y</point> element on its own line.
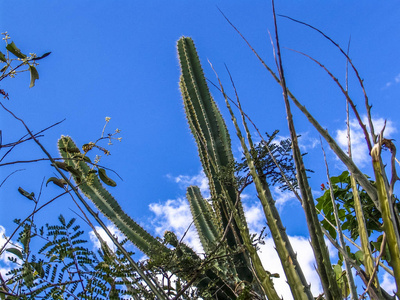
<point>10,70</point>
<point>66,269</point>
<point>262,154</point>
<point>342,191</point>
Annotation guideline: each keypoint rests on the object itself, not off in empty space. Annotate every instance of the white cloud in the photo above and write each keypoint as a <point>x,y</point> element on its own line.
<point>307,142</point>
<point>282,197</point>
<point>114,230</point>
<point>5,264</point>
<point>199,180</point>
<point>359,148</point>
<point>388,284</point>
<point>254,216</point>
<point>271,262</point>
<point>175,215</point>
<point>395,80</point>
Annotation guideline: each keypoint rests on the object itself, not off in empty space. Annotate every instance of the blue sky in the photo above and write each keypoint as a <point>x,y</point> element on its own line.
<point>118,59</point>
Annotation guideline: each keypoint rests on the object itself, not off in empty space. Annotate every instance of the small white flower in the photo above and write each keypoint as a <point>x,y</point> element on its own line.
<point>108,119</point>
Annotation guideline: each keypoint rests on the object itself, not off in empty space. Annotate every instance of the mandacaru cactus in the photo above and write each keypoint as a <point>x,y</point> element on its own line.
<point>213,142</point>
<point>214,147</point>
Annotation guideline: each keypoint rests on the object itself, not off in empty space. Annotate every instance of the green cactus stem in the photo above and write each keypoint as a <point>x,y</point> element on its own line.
<point>204,219</point>
<point>92,188</point>
<point>388,217</point>
<point>214,147</point>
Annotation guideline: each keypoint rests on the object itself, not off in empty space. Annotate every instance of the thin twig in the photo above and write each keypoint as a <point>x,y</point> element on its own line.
<point>21,140</point>
<point>10,175</point>
<point>344,91</point>
<point>26,219</point>
<point>368,107</point>
<point>372,277</point>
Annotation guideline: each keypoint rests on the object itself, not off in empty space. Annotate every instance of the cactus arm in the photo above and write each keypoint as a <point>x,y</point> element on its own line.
<point>155,288</point>
<point>92,188</point>
<point>214,145</point>
<point>388,217</point>
<point>205,120</point>
<point>325,271</point>
<point>208,230</point>
<point>210,119</point>
<point>362,229</point>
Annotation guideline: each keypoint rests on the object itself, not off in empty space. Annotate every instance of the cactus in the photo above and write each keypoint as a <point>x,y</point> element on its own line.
<point>213,143</point>
<point>203,215</point>
<point>386,204</point>
<point>92,188</point>
<point>89,183</point>
<point>214,147</point>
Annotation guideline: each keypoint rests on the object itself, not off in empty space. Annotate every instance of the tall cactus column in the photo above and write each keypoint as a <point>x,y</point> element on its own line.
<point>214,146</point>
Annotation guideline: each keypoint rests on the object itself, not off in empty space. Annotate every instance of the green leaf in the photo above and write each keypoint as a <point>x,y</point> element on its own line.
<point>24,193</point>
<point>3,69</point>
<point>15,251</point>
<point>107,180</point>
<point>65,167</point>
<point>57,181</point>
<point>43,56</point>
<point>359,255</point>
<point>82,157</point>
<point>70,149</point>
<point>2,57</point>
<point>34,75</point>
<point>14,50</point>
<point>338,271</point>
<point>342,214</point>
<point>38,266</point>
